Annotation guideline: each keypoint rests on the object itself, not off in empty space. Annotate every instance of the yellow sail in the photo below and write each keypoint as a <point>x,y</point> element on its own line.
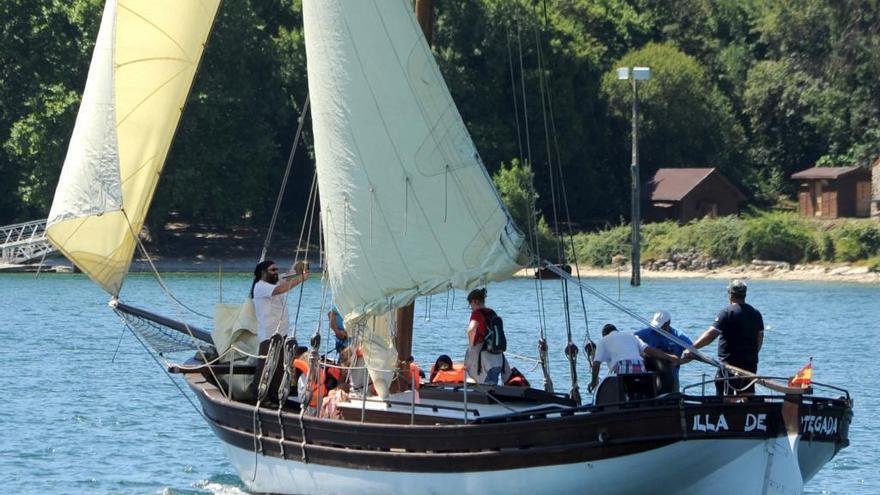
<point>144,62</point>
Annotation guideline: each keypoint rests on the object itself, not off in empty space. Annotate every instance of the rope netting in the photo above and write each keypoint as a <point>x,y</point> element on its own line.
<point>163,339</point>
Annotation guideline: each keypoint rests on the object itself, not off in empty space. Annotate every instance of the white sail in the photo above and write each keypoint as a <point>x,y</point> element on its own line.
<point>407,207</point>
<point>142,68</point>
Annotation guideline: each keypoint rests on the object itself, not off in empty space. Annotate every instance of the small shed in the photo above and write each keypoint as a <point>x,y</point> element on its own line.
<point>685,194</point>
<point>834,192</point>
<point>875,189</point>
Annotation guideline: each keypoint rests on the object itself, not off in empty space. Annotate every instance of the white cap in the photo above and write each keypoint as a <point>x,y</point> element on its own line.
<point>661,318</point>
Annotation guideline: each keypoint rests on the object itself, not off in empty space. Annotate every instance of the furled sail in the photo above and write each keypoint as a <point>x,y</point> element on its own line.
<point>142,67</point>
<point>407,207</point>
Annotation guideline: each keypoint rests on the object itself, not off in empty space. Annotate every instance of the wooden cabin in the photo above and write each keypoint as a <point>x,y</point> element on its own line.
<point>875,189</point>
<point>834,192</point>
<point>685,194</point>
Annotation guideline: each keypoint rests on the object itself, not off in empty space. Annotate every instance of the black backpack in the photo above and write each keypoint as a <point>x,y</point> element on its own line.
<point>495,341</point>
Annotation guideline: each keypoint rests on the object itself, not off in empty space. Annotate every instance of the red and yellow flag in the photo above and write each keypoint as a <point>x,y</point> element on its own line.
<point>804,377</point>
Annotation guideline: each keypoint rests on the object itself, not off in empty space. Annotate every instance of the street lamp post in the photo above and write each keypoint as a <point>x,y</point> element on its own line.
<point>635,74</point>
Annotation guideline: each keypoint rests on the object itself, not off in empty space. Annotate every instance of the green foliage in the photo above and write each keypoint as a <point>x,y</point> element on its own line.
<point>766,235</point>
<point>514,183</point>
<point>38,142</point>
<point>44,53</point>
<point>758,88</point>
<point>824,247</point>
<point>809,101</point>
<point>776,236</point>
<point>685,119</point>
<point>226,160</point>
<point>716,238</point>
<point>599,248</point>
<point>856,240</point>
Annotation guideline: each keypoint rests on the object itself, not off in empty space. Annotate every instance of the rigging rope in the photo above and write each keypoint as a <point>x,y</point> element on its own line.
<point>310,211</point>
<point>541,85</point>
<point>570,230</point>
<point>533,226</point>
<point>545,73</point>
<point>546,106</point>
<point>296,138</point>
<point>168,293</point>
<point>164,368</point>
<point>634,315</point>
<point>513,92</point>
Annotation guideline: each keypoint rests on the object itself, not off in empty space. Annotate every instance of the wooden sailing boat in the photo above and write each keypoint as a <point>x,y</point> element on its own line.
<point>408,210</point>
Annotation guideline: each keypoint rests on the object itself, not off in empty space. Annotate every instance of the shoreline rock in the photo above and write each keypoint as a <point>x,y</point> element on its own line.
<point>764,270</point>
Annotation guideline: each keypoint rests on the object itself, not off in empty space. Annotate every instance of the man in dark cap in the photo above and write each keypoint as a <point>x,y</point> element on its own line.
<point>741,331</point>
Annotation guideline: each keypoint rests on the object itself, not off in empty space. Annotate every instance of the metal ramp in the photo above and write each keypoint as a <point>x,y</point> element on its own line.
<point>24,242</point>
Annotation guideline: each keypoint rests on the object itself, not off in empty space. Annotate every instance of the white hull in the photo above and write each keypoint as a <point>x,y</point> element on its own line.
<point>734,466</point>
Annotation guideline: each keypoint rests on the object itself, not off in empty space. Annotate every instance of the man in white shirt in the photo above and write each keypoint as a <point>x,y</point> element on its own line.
<point>270,306</point>
<point>623,353</point>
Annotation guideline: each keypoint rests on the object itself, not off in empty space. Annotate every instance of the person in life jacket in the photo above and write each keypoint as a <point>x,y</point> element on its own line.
<point>517,379</point>
<point>414,373</point>
<point>444,371</point>
<point>484,358</point>
<point>329,379</point>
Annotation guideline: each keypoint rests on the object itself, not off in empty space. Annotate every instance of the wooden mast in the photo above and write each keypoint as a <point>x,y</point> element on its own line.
<point>405,315</point>
<point>425,16</point>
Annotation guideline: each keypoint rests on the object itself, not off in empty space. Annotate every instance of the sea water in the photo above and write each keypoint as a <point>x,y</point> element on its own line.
<point>87,410</point>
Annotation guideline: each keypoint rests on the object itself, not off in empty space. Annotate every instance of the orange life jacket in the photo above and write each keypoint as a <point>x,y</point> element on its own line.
<point>303,367</point>
<point>414,375</point>
<point>455,375</point>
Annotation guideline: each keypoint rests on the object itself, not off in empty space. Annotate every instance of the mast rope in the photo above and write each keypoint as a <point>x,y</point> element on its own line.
<point>533,223</point>
<point>570,230</point>
<point>168,293</point>
<point>549,158</point>
<point>636,316</point>
<point>163,367</point>
<point>310,212</point>
<point>545,73</point>
<point>296,138</point>
<point>513,93</point>
<point>571,349</point>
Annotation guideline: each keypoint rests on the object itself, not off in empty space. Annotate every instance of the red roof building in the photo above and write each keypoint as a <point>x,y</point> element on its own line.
<point>834,192</point>
<point>685,194</point>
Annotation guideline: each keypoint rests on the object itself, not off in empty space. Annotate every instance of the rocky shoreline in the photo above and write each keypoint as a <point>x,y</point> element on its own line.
<point>757,269</point>
<point>203,249</point>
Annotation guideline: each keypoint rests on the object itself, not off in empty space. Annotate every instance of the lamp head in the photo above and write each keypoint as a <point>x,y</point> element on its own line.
<point>641,73</point>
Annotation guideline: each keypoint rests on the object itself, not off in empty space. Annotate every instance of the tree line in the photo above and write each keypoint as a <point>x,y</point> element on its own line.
<point>757,88</point>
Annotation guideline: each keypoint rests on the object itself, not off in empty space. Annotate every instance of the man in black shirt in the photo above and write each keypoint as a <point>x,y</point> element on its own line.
<point>741,331</point>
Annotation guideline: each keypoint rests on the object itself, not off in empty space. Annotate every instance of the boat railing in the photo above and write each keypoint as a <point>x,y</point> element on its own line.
<point>711,381</point>
<point>665,400</point>
<point>433,407</point>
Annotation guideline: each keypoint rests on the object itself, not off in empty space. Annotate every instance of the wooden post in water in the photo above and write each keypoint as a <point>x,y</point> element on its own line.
<point>405,315</point>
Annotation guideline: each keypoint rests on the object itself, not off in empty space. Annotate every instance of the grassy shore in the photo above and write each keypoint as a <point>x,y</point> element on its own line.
<point>777,246</point>
<point>758,240</point>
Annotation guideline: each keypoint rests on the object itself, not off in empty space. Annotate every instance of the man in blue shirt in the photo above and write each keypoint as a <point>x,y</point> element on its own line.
<point>337,324</point>
<point>667,371</point>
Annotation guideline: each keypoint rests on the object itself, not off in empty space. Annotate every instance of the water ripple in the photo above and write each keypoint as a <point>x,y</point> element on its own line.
<point>79,423</point>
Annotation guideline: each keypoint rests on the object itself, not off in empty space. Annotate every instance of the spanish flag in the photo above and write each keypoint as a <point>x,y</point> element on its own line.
<point>804,377</point>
